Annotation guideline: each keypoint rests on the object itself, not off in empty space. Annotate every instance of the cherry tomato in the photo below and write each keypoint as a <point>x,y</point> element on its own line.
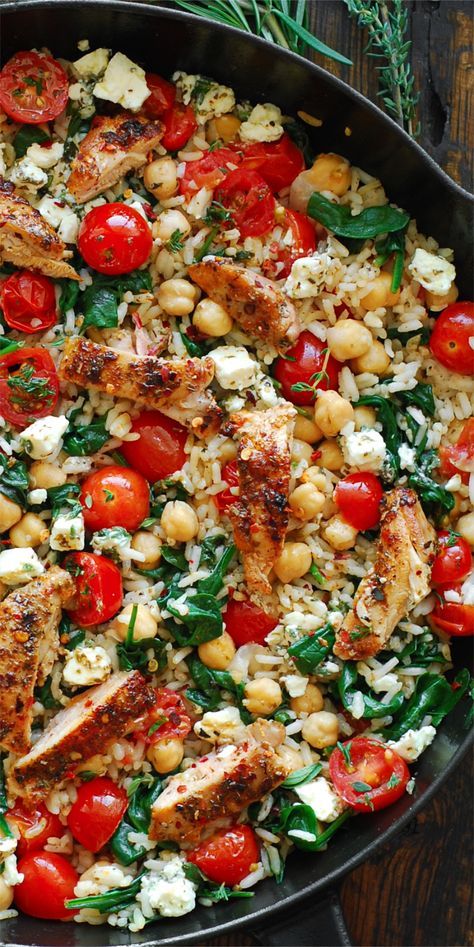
<point>28,301</point>
<point>114,239</point>
<point>374,778</point>
<point>358,497</point>
<point>453,562</point>
<point>162,96</point>
<point>208,171</point>
<point>49,880</point>
<point>459,457</point>
<point>35,825</point>
<point>29,386</point>
<point>277,162</point>
<point>246,622</point>
<point>115,496</point>
<point>180,123</point>
<point>250,201</point>
<point>97,811</point>
<point>307,364</point>
<point>228,856</point>
<point>159,451</point>
<point>304,242</point>
<point>33,88</point>
<point>449,341</point>
<point>230,475</point>
<point>99,590</point>
<point>169,717</point>
<point>454,618</point>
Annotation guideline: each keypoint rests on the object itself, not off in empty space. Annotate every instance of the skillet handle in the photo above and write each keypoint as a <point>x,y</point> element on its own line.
<point>309,924</point>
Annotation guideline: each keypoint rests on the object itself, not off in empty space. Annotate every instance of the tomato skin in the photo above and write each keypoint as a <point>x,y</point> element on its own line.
<point>304,243</point>
<point>459,457</point>
<point>230,475</point>
<point>180,123</point>
<point>454,560</point>
<point>25,408</point>
<point>49,881</point>
<point>35,825</point>
<point>454,618</point>
<point>301,362</point>
<point>33,105</point>
<point>97,811</point>
<point>159,451</point>
<point>246,622</point>
<point>449,341</point>
<point>250,201</point>
<point>114,239</point>
<point>171,706</point>
<point>27,297</point>
<point>162,96</point>
<point>228,856</point>
<point>208,171</point>
<point>120,497</point>
<point>278,162</point>
<point>358,497</point>
<point>373,764</point>
<point>99,590</point>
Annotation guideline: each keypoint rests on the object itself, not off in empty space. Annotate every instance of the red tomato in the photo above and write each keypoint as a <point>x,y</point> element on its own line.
<point>228,856</point>
<point>358,497</point>
<point>35,826</point>
<point>29,386</point>
<point>304,242</point>
<point>374,779</point>
<point>303,365</point>
<point>449,341</point>
<point>169,717</point>
<point>28,301</point>
<point>180,123</point>
<point>99,591</point>
<point>161,98</point>
<point>453,562</point>
<point>97,811</point>
<point>114,239</point>
<point>459,457</point>
<point>278,162</point>
<point>49,880</point>
<point>246,622</point>
<point>454,618</point>
<point>230,475</point>
<point>250,201</point>
<point>159,451</point>
<point>115,496</point>
<point>208,171</point>
<point>33,88</point>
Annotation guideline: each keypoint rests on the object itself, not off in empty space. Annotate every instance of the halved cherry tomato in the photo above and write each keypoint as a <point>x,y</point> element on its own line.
<point>228,856</point>
<point>358,497</point>
<point>449,341</point>
<point>99,590</point>
<point>48,881</point>
<point>97,811</point>
<point>305,368</point>
<point>115,496</point>
<point>208,171</point>
<point>459,457</point>
<point>28,301</point>
<point>454,618</point>
<point>169,717</point>
<point>374,778</point>
<point>29,386</point>
<point>114,239</point>
<point>230,475</point>
<point>180,123</point>
<point>250,201</point>
<point>246,622</point>
<point>283,255</point>
<point>35,825</point>
<point>162,96</point>
<point>454,560</point>
<point>159,451</point>
<point>277,162</point>
<point>33,88</point>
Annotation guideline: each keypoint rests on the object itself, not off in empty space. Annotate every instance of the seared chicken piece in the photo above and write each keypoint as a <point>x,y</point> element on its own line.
<point>398,580</point>
<point>111,148</point>
<point>260,513</point>
<point>86,726</point>
<point>26,238</point>
<point>177,388</point>
<point>29,619</point>
<point>214,790</point>
<point>252,300</point>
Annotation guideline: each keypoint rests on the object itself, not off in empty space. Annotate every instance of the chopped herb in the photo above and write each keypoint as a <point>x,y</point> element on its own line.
<point>361,787</point>
<point>176,242</point>
<point>345,749</point>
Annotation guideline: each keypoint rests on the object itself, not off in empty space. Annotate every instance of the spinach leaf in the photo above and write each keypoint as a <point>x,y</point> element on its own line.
<point>141,802</point>
<point>433,695</point>
<point>134,656</point>
<point>393,243</point>
<point>434,496</point>
<point>193,348</point>
<point>369,223</point>
<point>45,697</point>
<point>99,303</point>
<point>77,125</point>
<point>301,776</point>
<point>208,549</point>
<point>394,332</point>
<point>421,651</point>
<point>124,851</point>
<point>421,396</point>
<point>174,557</point>
<point>301,818</point>
<point>386,414</point>
<point>64,497</point>
<point>69,294</point>
<point>26,136</point>
<point>209,889</point>
<point>213,583</point>
<point>309,651</point>
<point>74,639</point>
<point>13,480</point>
<point>116,898</point>
<point>85,439</point>
<point>202,622</point>
<point>347,686</point>
<point>210,683</point>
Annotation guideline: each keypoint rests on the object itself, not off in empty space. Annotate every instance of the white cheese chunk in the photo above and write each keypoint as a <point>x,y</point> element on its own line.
<point>27,172</point>
<point>221,726</point>
<point>113,542</point>
<point>309,275</point>
<point>61,217</point>
<point>45,155</point>
<point>295,684</point>
<point>86,666</point>
<point>43,438</point>
<point>234,369</point>
<point>407,457</point>
<point>324,802</point>
<point>123,82</point>
<point>365,450</point>
<point>67,532</point>
<point>433,272</point>
<point>210,100</point>
<point>263,124</point>
<point>165,889</point>
<point>18,566</point>
<point>412,744</point>
<point>37,496</point>
<point>93,63</point>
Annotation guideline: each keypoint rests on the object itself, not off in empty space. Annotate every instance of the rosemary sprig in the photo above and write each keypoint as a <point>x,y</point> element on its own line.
<point>387,27</point>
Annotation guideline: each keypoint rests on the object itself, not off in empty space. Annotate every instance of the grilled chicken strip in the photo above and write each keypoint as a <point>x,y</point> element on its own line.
<point>214,790</point>
<point>26,238</point>
<point>398,580</point>
<point>260,513</point>
<point>111,148</point>
<point>252,300</point>
<point>177,388</point>
<point>85,727</point>
<point>29,619</point>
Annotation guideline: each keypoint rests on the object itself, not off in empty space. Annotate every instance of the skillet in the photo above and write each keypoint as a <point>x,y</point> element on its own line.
<point>165,40</point>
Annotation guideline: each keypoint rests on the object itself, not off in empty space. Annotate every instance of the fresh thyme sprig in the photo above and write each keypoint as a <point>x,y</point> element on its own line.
<point>387,26</point>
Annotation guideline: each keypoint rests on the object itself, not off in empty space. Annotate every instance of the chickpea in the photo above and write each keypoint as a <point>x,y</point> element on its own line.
<point>294,562</point>
<point>306,430</point>
<point>465,527</point>
<point>95,764</point>
<point>380,293</point>
<point>330,455</point>
<point>43,474</point>
<point>332,412</point>
<point>212,319</point>
<point>30,531</point>
<point>10,513</point>
<point>169,222</point>
<point>6,895</point>
<point>227,450</point>
<point>300,451</point>
<point>376,361</point>
<point>160,178</point>
<point>332,173</point>
<point>348,339</point>
<point>218,653</point>
<point>306,501</point>
<point>177,297</point>
<point>436,303</point>
<point>149,546</point>
<point>321,729</point>
<point>339,534</point>
<point>313,475</point>
<point>179,521</point>
<point>166,755</point>
<point>309,702</point>
<point>225,127</point>
<point>146,626</point>
<point>262,696</point>
<point>364,417</point>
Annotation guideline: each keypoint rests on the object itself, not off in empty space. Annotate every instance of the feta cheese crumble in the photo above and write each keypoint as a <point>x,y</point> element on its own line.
<point>27,172</point>
<point>61,217</point>
<point>86,666</point>
<point>263,124</point>
<point>123,82</point>
<point>45,155</point>
<point>309,274</point>
<point>234,368</point>
<point>318,794</point>
<point>93,63</point>
<point>18,566</point>
<point>43,438</point>
<point>165,889</point>
<point>412,744</point>
<point>222,726</point>
<point>433,272</point>
<point>364,450</point>
<point>210,99</point>
<point>67,532</point>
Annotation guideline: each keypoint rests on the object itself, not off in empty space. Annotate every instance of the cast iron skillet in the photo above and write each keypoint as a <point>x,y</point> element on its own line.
<point>164,40</point>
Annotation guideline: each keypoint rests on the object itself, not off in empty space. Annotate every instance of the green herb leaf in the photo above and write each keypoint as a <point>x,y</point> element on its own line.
<point>69,294</point>
<point>125,851</point>
<point>373,708</point>
<point>26,136</point>
<point>202,622</point>
<point>309,651</point>
<point>301,776</point>
<point>85,439</point>
<point>361,787</point>
<point>64,498</point>
<point>300,817</point>
<point>115,899</point>
<point>371,222</point>
<point>100,300</point>
<point>13,480</point>
<point>433,695</point>
<point>141,802</point>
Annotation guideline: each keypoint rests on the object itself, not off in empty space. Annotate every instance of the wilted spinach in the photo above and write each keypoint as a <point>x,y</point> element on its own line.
<point>13,480</point>
<point>347,687</point>
<point>433,695</point>
<point>309,651</point>
<point>371,222</point>
<point>86,439</point>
